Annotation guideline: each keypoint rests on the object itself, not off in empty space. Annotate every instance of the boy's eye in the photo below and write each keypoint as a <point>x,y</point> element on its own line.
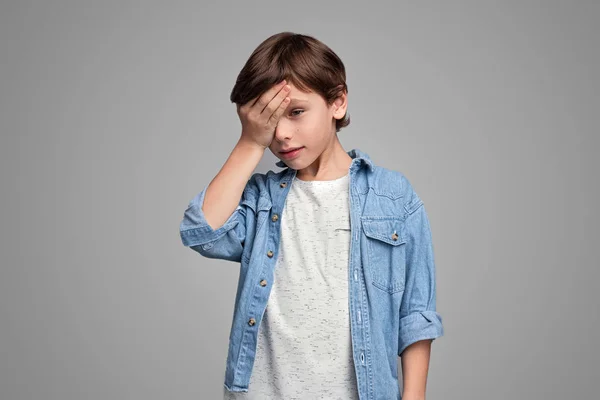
<point>296,110</point>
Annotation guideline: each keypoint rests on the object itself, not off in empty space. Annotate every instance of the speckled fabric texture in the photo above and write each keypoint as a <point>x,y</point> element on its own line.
<point>304,348</point>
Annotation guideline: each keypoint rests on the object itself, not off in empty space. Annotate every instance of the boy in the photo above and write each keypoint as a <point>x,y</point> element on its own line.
<point>337,274</point>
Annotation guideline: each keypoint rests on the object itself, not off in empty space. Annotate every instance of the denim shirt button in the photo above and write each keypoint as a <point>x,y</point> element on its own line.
<point>283,184</point>
<point>251,322</point>
<point>274,218</point>
<point>270,253</point>
<point>263,283</point>
<point>395,236</point>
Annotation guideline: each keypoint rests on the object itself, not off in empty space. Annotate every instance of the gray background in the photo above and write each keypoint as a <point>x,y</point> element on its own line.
<point>115,114</point>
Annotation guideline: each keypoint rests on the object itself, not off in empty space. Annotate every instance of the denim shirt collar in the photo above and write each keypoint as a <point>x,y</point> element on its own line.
<point>355,153</point>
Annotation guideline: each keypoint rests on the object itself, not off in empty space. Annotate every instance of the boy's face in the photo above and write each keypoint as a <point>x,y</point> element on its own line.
<point>308,122</point>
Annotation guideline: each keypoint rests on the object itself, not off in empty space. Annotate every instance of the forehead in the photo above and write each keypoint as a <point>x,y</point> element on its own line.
<point>298,96</point>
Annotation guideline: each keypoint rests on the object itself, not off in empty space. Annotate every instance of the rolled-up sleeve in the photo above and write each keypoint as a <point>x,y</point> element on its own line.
<point>418,317</point>
<point>225,242</point>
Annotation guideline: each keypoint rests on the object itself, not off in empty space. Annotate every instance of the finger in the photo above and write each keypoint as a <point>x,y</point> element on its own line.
<point>279,111</point>
<point>266,97</point>
<point>274,104</point>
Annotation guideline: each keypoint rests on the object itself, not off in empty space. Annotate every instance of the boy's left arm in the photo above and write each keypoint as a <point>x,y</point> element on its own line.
<point>415,365</point>
<point>420,323</point>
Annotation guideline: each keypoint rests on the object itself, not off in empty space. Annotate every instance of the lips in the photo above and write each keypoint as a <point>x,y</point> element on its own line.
<point>291,149</point>
<point>291,153</point>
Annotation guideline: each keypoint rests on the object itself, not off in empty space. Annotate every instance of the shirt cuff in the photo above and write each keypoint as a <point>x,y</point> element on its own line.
<point>195,230</point>
<point>419,325</point>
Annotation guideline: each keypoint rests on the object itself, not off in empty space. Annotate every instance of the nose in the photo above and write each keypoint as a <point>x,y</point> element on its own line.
<point>283,131</point>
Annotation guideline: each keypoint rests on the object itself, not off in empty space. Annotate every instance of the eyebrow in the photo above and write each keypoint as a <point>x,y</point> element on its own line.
<point>298,101</point>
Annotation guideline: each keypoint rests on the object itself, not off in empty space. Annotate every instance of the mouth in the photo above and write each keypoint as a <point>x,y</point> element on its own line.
<point>290,153</point>
<point>290,149</point>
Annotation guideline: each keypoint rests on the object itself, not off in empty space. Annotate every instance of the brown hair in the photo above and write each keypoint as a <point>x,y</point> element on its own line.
<point>301,60</point>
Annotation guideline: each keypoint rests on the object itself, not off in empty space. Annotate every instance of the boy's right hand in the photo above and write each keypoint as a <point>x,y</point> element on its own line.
<point>260,117</point>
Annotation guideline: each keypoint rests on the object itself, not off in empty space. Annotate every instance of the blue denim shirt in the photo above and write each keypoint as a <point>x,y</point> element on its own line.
<point>391,270</point>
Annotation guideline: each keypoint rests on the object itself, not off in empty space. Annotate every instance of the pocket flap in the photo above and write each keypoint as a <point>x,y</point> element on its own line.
<point>388,230</point>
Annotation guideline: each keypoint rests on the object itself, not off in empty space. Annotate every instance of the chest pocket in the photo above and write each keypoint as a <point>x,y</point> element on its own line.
<point>386,252</point>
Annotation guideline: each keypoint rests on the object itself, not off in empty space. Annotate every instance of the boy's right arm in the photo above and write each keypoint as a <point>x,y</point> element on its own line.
<point>209,221</point>
<point>224,191</point>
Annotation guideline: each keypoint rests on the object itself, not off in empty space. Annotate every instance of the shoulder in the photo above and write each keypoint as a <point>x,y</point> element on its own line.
<point>396,184</point>
<point>260,179</point>
<point>259,184</point>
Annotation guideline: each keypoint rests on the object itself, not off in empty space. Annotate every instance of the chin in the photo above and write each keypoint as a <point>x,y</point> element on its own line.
<point>292,164</point>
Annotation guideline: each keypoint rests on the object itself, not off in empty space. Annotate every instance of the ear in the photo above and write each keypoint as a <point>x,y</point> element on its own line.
<point>340,105</point>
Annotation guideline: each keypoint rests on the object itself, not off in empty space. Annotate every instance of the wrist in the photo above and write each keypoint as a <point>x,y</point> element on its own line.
<point>251,144</point>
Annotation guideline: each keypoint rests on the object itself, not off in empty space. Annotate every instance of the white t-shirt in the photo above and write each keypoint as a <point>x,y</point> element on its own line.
<point>304,348</point>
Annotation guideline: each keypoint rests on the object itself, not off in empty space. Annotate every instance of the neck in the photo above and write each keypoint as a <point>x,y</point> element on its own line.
<point>332,163</point>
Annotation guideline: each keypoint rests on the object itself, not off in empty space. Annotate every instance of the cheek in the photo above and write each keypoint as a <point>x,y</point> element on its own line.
<point>314,121</point>
<point>312,126</point>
